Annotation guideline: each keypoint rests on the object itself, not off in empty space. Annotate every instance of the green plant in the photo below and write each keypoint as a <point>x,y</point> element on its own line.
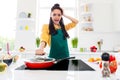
<point>74,42</point>
<point>37,42</point>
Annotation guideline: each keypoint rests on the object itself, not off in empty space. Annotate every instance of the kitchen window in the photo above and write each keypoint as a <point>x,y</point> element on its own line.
<point>7,23</point>
<point>44,7</point>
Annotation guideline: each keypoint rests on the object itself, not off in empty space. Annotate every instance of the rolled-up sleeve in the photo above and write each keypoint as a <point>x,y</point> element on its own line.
<point>45,34</point>
<point>70,25</point>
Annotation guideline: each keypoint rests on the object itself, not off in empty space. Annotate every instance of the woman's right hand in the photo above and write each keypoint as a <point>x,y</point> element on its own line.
<point>39,52</point>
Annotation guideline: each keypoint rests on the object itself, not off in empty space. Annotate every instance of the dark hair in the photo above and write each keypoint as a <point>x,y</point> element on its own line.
<point>52,30</point>
<point>57,6</point>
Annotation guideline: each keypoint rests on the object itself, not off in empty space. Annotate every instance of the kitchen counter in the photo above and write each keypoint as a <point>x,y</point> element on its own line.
<point>12,74</point>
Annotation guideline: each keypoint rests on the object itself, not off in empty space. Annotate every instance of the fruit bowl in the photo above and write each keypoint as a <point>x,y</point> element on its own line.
<point>8,61</point>
<point>6,58</point>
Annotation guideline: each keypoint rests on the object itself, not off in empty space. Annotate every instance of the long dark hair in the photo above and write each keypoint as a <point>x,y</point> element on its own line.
<point>52,30</point>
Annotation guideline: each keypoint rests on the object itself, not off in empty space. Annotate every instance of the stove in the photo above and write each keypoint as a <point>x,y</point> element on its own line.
<point>64,65</point>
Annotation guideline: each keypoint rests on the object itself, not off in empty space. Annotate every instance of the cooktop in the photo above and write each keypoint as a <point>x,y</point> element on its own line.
<point>65,65</point>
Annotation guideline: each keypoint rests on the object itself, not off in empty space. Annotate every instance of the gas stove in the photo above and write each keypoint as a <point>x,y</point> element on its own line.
<point>64,65</point>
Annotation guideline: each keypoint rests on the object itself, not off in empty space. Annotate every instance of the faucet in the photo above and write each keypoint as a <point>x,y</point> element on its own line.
<point>100,42</point>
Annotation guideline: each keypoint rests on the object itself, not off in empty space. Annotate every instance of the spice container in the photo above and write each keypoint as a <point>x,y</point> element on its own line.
<point>105,65</point>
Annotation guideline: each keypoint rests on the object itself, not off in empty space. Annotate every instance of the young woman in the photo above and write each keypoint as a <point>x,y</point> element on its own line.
<point>55,34</point>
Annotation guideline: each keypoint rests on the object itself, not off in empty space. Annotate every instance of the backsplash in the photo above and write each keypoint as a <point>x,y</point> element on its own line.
<point>88,39</point>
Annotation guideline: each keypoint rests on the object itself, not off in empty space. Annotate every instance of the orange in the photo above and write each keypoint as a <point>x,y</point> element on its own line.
<point>91,59</point>
<point>98,59</point>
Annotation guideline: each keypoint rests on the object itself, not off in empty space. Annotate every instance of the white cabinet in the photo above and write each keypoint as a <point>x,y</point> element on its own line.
<point>117,15</point>
<point>103,16</point>
<point>25,25</point>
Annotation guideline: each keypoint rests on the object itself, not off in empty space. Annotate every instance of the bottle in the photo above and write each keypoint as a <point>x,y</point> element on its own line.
<point>105,65</point>
<point>89,19</point>
<point>86,8</point>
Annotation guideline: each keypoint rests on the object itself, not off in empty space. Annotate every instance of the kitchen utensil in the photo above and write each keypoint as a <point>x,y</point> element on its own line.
<point>8,48</point>
<point>39,62</point>
<point>8,61</point>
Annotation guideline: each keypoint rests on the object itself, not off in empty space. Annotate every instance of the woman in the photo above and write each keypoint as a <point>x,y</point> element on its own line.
<point>55,34</point>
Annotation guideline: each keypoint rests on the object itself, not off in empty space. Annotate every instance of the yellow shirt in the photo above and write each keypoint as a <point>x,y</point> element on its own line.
<point>45,36</point>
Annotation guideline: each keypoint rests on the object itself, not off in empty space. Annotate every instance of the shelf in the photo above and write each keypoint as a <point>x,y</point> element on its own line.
<point>97,32</point>
<point>86,14</point>
<point>25,31</point>
<point>87,17</point>
<point>86,22</point>
<point>25,19</point>
<point>87,3</point>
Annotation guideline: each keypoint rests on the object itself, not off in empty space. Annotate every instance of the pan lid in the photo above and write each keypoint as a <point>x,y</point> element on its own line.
<point>39,59</point>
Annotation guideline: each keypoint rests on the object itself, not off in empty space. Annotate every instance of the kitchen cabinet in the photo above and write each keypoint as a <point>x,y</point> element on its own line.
<point>25,25</point>
<point>103,17</point>
<point>116,15</point>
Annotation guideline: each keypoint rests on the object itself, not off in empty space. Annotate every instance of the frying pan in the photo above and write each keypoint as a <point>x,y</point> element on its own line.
<point>38,63</point>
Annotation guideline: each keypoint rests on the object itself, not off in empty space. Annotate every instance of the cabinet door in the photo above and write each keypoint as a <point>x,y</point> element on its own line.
<point>103,16</point>
<point>117,15</point>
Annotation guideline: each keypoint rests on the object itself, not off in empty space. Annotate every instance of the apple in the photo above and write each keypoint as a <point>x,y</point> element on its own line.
<point>2,66</point>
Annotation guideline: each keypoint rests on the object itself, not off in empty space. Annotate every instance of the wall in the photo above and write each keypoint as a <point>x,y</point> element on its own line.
<point>110,39</point>
<point>103,16</point>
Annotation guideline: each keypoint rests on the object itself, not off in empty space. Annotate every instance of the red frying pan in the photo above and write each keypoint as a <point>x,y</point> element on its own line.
<point>38,63</point>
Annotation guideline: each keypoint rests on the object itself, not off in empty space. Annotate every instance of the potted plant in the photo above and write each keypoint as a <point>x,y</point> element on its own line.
<point>37,42</point>
<point>74,42</point>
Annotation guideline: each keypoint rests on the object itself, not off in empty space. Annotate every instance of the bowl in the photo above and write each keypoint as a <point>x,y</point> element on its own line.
<point>8,61</point>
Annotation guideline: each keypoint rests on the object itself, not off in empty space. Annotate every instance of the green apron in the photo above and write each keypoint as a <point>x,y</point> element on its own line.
<point>59,46</point>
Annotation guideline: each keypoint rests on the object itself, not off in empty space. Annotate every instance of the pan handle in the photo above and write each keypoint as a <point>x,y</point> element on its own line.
<point>66,58</point>
<point>73,57</point>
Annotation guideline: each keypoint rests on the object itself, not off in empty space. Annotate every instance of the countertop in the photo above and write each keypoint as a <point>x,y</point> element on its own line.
<point>12,74</point>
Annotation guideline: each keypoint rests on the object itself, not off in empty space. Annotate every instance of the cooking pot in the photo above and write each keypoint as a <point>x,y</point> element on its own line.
<point>39,62</point>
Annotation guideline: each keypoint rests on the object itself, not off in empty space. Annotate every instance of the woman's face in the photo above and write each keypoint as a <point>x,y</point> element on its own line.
<point>56,16</point>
